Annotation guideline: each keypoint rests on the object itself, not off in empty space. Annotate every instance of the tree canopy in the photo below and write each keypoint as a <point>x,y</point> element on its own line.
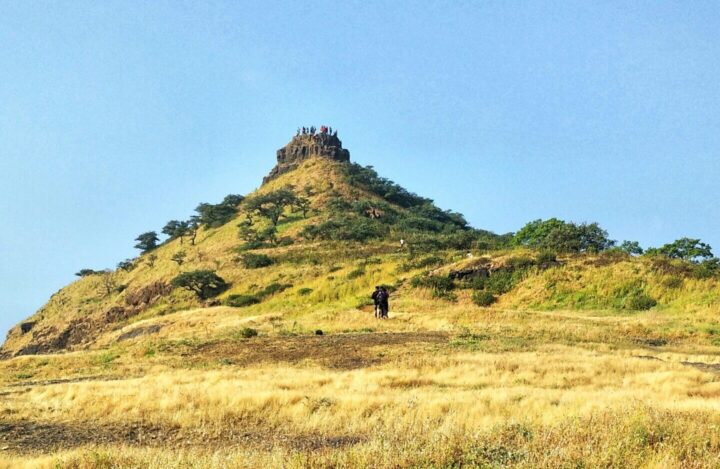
<point>687,249</point>
<point>271,205</point>
<point>176,229</point>
<point>216,215</point>
<point>563,236</point>
<point>147,241</point>
<point>204,283</point>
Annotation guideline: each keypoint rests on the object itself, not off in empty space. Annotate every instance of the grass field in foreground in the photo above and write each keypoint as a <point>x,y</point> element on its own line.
<point>451,387</point>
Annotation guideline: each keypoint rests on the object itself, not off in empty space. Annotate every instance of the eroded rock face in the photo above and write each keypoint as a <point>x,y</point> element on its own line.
<point>39,338</point>
<point>302,147</point>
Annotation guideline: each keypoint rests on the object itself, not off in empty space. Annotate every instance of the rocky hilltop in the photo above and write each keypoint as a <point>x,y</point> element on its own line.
<point>306,144</point>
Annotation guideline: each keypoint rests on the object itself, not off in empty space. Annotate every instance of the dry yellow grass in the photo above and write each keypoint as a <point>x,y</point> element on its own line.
<point>550,376</point>
<point>506,393</point>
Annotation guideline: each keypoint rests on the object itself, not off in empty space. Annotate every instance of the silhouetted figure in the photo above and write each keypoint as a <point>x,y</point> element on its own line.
<point>384,300</point>
<point>376,301</point>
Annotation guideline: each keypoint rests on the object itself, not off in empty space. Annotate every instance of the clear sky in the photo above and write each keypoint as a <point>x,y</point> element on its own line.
<point>118,116</point>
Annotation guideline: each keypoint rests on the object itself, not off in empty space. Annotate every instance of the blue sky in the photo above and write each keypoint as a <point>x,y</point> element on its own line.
<point>118,116</point>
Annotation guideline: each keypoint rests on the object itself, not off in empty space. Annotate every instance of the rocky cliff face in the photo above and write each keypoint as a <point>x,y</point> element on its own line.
<point>304,146</point>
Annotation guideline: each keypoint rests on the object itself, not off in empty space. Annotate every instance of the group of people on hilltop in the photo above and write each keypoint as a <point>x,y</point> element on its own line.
<point>381,298</point>
<point>312,131</point>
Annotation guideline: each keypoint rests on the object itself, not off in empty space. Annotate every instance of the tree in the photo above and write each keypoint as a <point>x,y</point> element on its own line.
<point>271,205</point>
<point>687,249</point>
<point>204,283</point>
<point>216,215</point>
<point>88,272</point>
<point>179,257</point>
<point>176,229</point>
<point>109,282</point>
<point>303,205</point>
<point>193,227</point>
<point>631,247</point>
<point>562,236</point>
<point>127,265</point>
<point>150,261</point>
<point>147,241</point>
<point>534,233</point>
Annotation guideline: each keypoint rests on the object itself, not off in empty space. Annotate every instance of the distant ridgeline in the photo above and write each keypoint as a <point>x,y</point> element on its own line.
<point>306,143</point>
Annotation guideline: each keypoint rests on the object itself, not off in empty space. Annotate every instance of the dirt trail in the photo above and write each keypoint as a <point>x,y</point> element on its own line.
<point>28,437</point>
<point>338,351</point>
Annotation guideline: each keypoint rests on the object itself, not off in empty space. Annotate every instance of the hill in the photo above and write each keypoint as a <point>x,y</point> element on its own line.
<point>246,339</point>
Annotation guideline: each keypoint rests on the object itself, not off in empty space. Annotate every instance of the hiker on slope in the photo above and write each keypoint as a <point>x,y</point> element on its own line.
<point>376,301</point>
<point>384,298</point>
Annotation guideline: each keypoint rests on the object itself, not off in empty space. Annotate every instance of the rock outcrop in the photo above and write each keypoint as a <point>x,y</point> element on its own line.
<point>304,146</point>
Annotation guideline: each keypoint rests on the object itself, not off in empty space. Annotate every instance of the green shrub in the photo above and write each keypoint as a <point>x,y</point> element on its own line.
<point>639,301</point>
<point>241,301</point>
<point>255,261</point>
<point>546,257</point>
<point>441,286</point>
<point>420,263</point>
<point>204,283</point>
<point>672,282</point>
<point>434,282</point>
<point>305,291</point>
<point>483,298</point>
<point>274,288</point>
<point>357,273</point>
<point>707,269</point>
<point>501,281</point>
<point>346,228</point>
<point>519,263</point>
<point>247,332</point>
<point>285,241</point>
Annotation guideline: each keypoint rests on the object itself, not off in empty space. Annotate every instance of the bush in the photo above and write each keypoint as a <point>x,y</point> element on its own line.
<point>501,281</point>
<point>255,261</point>
<point>204,283</point>
<point>546,257</point>
<point>441,286</point>
<point>639,302</point>
<point>357,273</point>
<point>248,332</point>
<point>672,282</point>
<point>483,298</point>
<point>346,228</point>
<point>707,269</point>
<point>241,301</point>
<point>305,291</point>
<point>519,262</point>
<point>428,261</point>
<point>274,288</point>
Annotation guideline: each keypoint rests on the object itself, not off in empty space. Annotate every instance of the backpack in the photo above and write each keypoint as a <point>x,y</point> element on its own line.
<point>382,296</point>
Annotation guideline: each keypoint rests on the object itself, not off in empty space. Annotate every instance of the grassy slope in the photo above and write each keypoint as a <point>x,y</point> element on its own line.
<point>551,375</point>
